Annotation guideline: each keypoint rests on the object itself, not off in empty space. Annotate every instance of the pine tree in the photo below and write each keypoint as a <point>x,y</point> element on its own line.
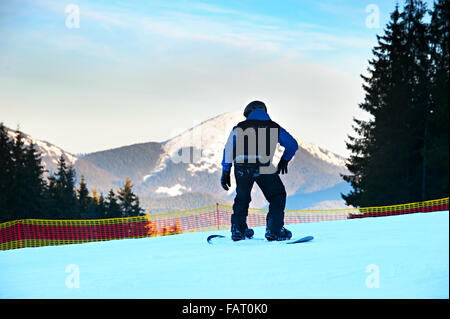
<point>22,184</point>
<point>94,208</point>
<point>17,196</point>
<point>128,201</point>
<point>101,207</point>
<point>95,196</point>
<point>112,207</point>
<point>137,210</point>
<point>384,89</point>
<point>436,155</point>
<point>62,191</point>
<point>6,164</point>
<point>83,198</point>
<point>419,103</point>
<point>388,162</point>
<point>34,186</point>
<point>52,197</point>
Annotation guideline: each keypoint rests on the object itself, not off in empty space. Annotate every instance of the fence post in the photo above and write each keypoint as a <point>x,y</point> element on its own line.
<point>218,220</point>
<point>19,233</point>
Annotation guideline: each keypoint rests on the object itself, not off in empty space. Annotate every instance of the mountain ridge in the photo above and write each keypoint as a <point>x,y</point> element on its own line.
<point>159,170</point>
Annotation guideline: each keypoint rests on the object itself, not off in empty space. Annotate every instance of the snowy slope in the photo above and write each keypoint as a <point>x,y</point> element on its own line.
<point>386,257</point>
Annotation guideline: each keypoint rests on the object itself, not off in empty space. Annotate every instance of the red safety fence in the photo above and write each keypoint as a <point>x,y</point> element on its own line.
<point>42,232</point>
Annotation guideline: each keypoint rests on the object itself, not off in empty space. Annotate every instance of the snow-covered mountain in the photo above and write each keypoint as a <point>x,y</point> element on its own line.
<point>208,139</point>
<point>202,145</point>
<point>210,136</point>
<point>50,153</point>
<point>189,165</point>
<point>191,162</point>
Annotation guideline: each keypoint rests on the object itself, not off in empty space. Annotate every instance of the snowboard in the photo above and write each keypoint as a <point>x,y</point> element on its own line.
<point>305,239</point>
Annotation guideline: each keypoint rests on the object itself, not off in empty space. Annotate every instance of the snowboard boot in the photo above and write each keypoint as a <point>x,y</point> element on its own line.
<point>239,234</point>
<point>283,234</point>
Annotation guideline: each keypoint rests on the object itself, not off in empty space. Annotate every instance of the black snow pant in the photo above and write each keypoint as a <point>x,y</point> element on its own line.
<point>273,190</point>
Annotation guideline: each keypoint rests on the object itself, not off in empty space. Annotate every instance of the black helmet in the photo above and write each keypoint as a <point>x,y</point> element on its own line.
<point>253,106</point>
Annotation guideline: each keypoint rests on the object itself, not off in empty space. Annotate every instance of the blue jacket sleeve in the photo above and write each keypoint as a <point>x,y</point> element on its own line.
<point>227,160</point>
<point>289,143</point>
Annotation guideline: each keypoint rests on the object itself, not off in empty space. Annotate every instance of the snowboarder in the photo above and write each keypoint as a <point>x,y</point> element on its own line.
<point>251,146</point>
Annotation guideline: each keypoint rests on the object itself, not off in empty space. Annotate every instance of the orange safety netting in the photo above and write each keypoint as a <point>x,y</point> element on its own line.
<point>42,232</point>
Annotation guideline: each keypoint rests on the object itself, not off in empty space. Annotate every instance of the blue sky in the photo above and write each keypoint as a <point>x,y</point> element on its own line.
<point>139,71</point>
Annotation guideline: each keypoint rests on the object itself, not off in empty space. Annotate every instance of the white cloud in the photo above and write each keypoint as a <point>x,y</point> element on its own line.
<point>229,38</point>
<point>221,25</point>
<point>178,66</point>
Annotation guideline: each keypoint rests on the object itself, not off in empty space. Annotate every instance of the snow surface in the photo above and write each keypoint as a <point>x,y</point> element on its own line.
<point>409,255</point>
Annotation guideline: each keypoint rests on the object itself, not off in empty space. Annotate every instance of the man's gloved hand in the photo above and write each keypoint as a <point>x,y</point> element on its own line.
<point>282,166</point>
<point>225,180</point>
